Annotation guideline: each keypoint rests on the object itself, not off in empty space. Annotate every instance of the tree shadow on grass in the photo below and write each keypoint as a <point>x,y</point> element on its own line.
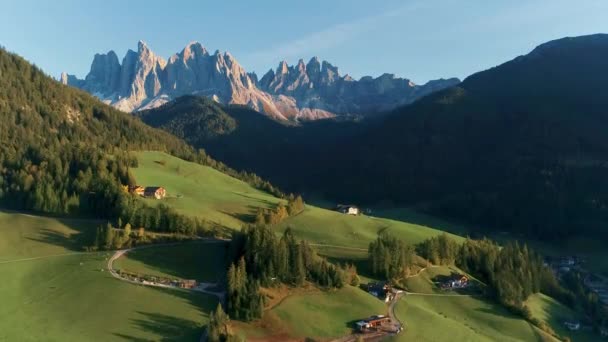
<point>170,328</point>
<point>411,216</point>
<point>497,310</point>
<point>193,260</point>
<point>362,265</point>
<point>83,235</point>
<point>264,202</point>
<point>165,327</point>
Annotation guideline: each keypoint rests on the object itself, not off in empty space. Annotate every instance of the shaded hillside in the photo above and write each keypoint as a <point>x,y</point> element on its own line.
<point>192,118</point>
<point>520,146</point>
<point>248,140</point>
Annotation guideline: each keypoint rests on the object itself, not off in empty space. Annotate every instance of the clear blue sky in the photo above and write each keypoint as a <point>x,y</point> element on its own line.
<point>418,39</point>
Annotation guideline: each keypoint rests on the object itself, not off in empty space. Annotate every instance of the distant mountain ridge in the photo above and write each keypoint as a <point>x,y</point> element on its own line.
<point>303,92</point>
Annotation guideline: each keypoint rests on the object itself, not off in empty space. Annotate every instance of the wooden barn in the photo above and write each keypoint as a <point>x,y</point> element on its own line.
<point>372,323</point>
<point>157,192</point>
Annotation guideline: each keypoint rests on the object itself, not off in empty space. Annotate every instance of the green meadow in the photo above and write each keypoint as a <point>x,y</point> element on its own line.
<point>553,313</point>
<point>51,291</point>
<point>198,190</point>
<point>316,315</point>
<point>194,260</point>
<point>461,318</point>
<point>201,191</point>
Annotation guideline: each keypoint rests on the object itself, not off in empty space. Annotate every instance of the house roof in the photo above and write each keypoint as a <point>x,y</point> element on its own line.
<point>153,188</point>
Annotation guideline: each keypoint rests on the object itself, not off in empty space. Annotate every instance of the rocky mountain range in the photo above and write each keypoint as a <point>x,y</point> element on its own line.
<point>306,91</point>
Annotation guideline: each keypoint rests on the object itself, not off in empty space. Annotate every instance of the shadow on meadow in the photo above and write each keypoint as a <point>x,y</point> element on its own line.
<point>165,327</point>
<point>170,328</point>
<point>192,260</point>
<point>83,235</point>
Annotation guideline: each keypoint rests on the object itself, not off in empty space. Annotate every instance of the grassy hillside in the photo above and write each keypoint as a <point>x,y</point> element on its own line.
<point>431,318</point>
<point>198,190</point>
<point>203,262</point>
<point>314,314</point>
<point>201,191</point>
<point>328,227</point>
<point>70,298</point>
<point>424,282</point>
<point>550,311</point>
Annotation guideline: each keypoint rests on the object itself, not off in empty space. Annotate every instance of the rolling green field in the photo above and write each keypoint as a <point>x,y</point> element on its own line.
<point>51,291</point>
<point>328,314</point>
<point>198,190</point>
<point>424,281</point>
<point>201,191</point>
<point>327,227</point>
<point>553,313</point>
<point>317,315</point>
<point>462,318</point>
<point>200,261</point>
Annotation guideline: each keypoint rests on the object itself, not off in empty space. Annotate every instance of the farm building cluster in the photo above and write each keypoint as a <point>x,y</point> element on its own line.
<point>157,192</point>
<point>154,280</point>
<point>348,209</point>
<point>458,281</point>
<point>563,265</point>
<point>382,291</point>
<point>372,323</point>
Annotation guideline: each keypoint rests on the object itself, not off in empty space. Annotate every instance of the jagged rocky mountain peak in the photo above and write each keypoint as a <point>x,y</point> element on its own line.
<point>304,91</point>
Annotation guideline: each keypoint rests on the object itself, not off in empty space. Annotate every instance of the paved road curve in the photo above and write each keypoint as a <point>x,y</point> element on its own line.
<point>203,287</point>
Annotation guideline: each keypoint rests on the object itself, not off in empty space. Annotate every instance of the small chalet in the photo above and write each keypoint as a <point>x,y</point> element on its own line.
<point>381,291</point>
<point>372,322</point>
<point>348,209</point>
<point>456,282</point>
<point>187,284</point>
<point>572,325</point>
<point>136,189</point>
<point>157,192</point>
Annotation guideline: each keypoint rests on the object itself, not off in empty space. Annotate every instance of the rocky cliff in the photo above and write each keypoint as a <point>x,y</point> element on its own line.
<point>302,92</point>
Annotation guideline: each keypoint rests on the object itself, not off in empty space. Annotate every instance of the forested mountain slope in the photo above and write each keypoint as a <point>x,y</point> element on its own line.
<point>246,140</point>
<point>520,146</point>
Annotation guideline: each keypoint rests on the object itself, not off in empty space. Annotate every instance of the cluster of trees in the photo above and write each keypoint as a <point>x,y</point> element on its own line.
<point>265,260</point>
<point>108,237</point>
<point>439,250</point>
<point>217,330</point>
<point>245,302</point>
<point>287,260</point>
<point>390,257</point>
<point>162,217</point>
<point>295,204</point>
<point>512,272</point>
<point>64,152</point>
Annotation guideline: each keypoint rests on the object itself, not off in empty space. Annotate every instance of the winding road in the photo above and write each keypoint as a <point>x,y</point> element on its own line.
<point>202,287</point>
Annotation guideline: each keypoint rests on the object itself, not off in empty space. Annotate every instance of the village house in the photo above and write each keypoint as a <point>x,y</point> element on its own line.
<point>456,282</point>
<point>381,291</point>
<point>572,325</point>
<point>348,209</point>
<point>187,284</point>
<point>372,323</point>
<point>157,192</point>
